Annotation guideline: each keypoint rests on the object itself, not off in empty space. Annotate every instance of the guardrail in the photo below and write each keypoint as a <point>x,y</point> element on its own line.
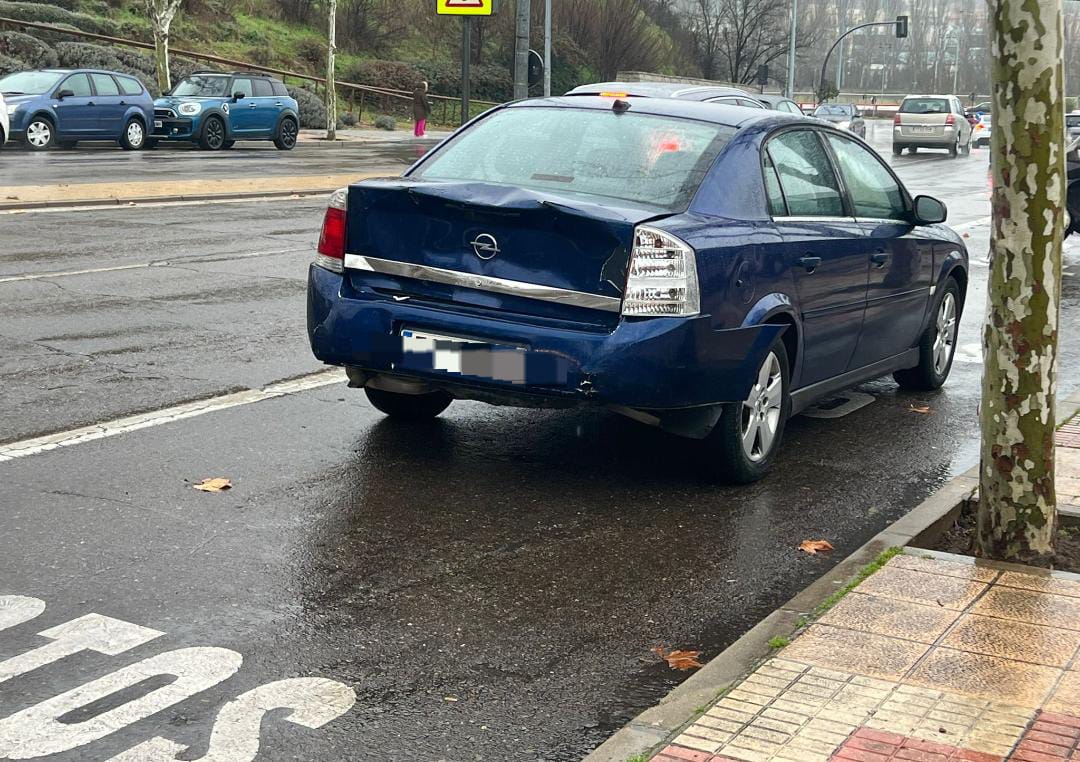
<point>450,105</point>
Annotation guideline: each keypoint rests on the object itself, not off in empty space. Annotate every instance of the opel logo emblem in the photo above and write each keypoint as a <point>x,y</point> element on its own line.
<point>485,246</point>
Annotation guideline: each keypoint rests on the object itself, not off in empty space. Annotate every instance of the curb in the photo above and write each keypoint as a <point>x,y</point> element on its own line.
<point>8,206</point>
<point>646,732</point>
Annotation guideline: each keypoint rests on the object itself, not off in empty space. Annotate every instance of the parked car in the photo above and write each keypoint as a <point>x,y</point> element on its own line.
<point>1072,125</point>
<point>5,128</point>
<point>780,103</point>
<point>846,116</point>
<point>931,121</point>
<point>214,110</point>
<point>980,136</point>
<point>731,96</point>
<point>701,268</point>
<point>50,107</point>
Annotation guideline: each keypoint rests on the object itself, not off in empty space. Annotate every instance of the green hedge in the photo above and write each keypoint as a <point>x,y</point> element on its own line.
<point>9,65</point>
<point>30,50</point>
<point>312,110</point>
<point>52,14</point>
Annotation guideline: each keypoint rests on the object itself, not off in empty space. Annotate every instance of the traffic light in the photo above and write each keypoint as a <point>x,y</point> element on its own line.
<point>763,75</point>
<point>901,27</point>
<point>536,68</point>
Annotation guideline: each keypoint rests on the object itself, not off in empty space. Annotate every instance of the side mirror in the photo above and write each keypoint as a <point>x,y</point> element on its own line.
<point>927,210</point>
<point>238,97</point>
<point>65,94</point>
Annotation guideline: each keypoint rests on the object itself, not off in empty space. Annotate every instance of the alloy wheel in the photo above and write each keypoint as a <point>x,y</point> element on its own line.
<point>946,334</point>
<point>215,133</point>
<point>288,132</point>
<point>761,411</point>
<point>39,134</point>
<point>135,134</point>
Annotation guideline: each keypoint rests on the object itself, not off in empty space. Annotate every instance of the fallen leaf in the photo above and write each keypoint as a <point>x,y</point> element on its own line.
<point>681,660</point>
<point>218,484</point>
<point>967,235</point>
<point>814,546</point>
<point>924,410</point>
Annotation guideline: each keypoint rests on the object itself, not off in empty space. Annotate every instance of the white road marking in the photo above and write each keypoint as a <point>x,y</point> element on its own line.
<point>152,204</point>
<point>16,609</point>
<point>92,632</point>
<point>131,423</point>
<point>144,265</point>
<point>37,730</point>
<point>314,701</point>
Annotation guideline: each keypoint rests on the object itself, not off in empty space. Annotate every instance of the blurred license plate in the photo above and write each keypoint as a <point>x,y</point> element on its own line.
<point>467,357</point>
<point>157,123</point>
<point>922,130</point>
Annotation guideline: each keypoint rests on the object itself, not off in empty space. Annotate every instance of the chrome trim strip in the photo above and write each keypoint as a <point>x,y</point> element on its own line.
<point>810,218</point>
<point>483,283</point>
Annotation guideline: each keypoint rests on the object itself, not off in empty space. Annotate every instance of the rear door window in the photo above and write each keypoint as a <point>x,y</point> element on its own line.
<point>806,175</point>
<point>104,84</point>
<point>262,88</point>
<point>279,88</point>
<point>647,160</point>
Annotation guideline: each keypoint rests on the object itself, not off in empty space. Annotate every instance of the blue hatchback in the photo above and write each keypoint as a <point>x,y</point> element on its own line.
<point>215,110</point>
<point>707,269</point>
<point>63,106</point>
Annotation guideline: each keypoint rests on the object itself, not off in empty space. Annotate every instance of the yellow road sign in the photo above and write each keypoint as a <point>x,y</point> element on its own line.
<point>465,7</point>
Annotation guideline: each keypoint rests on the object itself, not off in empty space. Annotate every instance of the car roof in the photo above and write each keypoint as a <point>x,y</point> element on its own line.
<point>660,90</point>
<point>771,98</point>
<point>943,97</point>
<point>263,75</point>
<point>715,113</point>
<point>57,70</point>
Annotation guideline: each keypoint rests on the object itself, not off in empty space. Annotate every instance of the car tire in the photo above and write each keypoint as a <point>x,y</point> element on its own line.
<point>133,138</point>
<point>408,407</point>
<point>897,150</point>
<point>954,149</point>
<point>913,150</point>
<point>40,134</point>
<point>935,359</point>
<point>287,132</point>
<point>213,134</point>
<point>966,148</point>
<point>747,437</point>
<point>1072,205</point>
<point>228,144</point>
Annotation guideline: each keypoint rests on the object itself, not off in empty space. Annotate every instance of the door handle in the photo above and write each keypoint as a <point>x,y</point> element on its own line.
<point>91,103</point>
<point>879,258</point>
<point>123,103</point>
<point>810,263</point>
<point>253,105</point>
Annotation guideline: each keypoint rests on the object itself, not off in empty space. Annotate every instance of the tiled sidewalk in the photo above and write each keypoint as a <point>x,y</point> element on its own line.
<point>928,660</point>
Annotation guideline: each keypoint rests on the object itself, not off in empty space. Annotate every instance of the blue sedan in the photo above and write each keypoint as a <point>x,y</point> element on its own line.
<point>64,106</point>
<point>707,269</point>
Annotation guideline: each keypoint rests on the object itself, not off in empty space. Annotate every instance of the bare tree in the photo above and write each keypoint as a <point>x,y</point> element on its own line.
<point>617,34</point>
<point>161,14</point>
<point>734,37</point>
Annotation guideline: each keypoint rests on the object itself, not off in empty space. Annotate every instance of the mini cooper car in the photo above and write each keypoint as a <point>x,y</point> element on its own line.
<point>214,110</point>
<point>707,269</point>
<point>51,107</point>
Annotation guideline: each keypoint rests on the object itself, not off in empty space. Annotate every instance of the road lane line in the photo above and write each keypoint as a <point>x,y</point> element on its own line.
<point>207,258</point>
<point>131,423</point>
<point>305,196</point>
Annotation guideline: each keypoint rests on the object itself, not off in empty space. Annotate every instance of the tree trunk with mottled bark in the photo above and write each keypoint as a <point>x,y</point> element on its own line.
<point>331,89</point>
<point>161,14</point>
<point>1017,503</point>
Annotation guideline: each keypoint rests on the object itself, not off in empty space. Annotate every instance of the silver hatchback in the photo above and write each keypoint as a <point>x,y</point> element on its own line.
<point>931,121</point>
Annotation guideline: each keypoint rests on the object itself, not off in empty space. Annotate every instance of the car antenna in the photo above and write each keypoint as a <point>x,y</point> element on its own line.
<point>620,106</point>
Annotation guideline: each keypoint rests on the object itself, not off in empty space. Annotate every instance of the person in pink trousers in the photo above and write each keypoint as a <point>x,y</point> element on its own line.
<point>421,109</point>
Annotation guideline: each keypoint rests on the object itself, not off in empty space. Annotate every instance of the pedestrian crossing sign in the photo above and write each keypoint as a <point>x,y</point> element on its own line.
<point>465,7</point>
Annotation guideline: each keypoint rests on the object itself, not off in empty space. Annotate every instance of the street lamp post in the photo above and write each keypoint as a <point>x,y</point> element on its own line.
<point>791,50</point>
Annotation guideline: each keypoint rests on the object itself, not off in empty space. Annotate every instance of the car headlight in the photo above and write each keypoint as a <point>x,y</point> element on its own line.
<point>12,108</point>
<point>843,125</point>
<point>190,109</point>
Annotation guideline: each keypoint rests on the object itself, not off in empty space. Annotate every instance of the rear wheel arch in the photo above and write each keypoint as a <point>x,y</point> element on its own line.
<point>790,337</point>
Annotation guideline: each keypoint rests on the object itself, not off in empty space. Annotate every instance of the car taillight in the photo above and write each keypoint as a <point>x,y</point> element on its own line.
<point>950,120</point>
<point>896,119</point>
<point>332,238</point>
<point>663,276</point>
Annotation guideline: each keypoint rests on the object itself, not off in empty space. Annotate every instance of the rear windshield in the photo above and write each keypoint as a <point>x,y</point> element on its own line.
<point>648,160</point>
<point>924,106</point>
<point>1072,120</point>
<point>836,110</point>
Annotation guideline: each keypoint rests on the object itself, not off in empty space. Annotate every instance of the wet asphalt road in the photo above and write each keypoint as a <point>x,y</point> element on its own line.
<point>490,584</point>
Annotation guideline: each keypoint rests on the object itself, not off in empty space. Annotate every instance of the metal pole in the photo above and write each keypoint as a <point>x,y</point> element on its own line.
<point>956,66</point>
<point>521,50</point>
<point>547,49</point>
<point>791,50</point>
<point>466,61</point>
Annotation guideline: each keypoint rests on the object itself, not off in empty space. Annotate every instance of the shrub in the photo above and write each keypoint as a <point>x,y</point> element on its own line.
<point>393,75</point>
<point>349,119</point>
<point>9,65</point>
<point>312,110</point>
<point>385,123</point>
<point>51,14</point>
<point>33,51</point>
<point>488,82</point>
<point>312,51</point>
